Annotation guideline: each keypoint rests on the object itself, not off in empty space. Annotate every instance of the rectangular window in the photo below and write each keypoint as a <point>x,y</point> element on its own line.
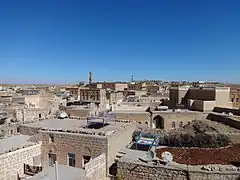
<point>71,159</point>
<point>52,159</point>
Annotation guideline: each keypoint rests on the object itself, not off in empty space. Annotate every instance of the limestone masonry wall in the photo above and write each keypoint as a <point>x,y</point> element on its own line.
<point>95,169</point>
<point>65,143</point>
<point>13,162</point>
<point>30,115</point>
<point>224,119</point>
<point>168,117</point>
<point>133,116</point>
<point>25,130</point>
<point>78,112</point>
<point>132,171</point>
<point>119,140</point>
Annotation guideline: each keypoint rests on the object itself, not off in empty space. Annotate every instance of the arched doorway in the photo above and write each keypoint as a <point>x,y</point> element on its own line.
<point>158,122</point>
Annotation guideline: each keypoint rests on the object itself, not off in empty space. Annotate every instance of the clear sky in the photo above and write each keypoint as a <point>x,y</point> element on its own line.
<point>60,41</point>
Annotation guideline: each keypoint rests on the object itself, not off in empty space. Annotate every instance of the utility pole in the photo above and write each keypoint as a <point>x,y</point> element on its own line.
<point>56,170</point>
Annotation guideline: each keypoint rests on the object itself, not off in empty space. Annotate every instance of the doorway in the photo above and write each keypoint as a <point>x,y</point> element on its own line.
<point>158,121</point>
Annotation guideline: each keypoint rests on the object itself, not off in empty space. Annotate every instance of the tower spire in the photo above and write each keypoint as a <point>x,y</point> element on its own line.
<point>90,77</point>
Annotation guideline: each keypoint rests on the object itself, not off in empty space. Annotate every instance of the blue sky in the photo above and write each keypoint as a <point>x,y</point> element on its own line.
<point>60,41</point>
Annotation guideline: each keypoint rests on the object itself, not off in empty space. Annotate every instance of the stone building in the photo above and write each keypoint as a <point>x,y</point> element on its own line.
<point>115,97</point>
<point>29,91</point>
<point>163,120</point>
<point>43,101</point>
<point>15,153</point>
<point>75,142</point>
<point>25,115</point>
<point>199,98</point>
<point>137,86</point>
<point>114,86</point>
<point>94,95</point>
<point>35,108</point>
<point>235,96</point>
<point>73,91</point>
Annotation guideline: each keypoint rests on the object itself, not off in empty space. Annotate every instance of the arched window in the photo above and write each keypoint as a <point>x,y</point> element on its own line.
<point>173,124</point>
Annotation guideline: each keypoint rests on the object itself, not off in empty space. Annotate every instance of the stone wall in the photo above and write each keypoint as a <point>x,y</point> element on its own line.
<point>65,143</point>
<point>13,162</point>
<point>77,112</point>
<point>31,115</point>
<point>117,141</point>
<point>27,130</point>
<point>178,117</point>
<point>228,120</point>
<point>134,171</point>
<point>8,129</point>
<point>141,117</point>
<point>168,117</point>
<point>96,168</point>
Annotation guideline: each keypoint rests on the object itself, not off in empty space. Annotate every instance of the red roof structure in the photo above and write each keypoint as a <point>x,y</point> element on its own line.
<point>203,156</point>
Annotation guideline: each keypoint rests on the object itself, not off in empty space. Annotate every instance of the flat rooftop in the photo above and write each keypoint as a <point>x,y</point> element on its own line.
<point>13,143</point>
<point>79,125</point>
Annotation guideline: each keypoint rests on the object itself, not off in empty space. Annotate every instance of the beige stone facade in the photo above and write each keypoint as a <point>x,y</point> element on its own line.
<point>137,86</point>
<point>115,86</point>
<point>115,97</point>
<point>31,115</point>
<point>163,120</point>
<point>12,163</point>
<point>235,96</point>
<point>128,170</point>
<point>200,99</point>
<point>65,143</point>
<point>83,142</point>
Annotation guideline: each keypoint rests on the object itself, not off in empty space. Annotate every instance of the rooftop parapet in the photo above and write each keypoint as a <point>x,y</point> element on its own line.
<point>76,126</point>
<point>13,143</point>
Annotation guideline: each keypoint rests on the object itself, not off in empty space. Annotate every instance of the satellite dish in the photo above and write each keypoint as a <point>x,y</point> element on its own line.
<point>63,115</point>
<point>167,156</point>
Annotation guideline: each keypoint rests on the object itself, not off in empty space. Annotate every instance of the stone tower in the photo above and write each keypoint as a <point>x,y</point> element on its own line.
<point>90,77</point>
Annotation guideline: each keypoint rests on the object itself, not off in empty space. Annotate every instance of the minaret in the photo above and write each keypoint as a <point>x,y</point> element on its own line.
<point>132,79</point>
<point>90,78</point>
